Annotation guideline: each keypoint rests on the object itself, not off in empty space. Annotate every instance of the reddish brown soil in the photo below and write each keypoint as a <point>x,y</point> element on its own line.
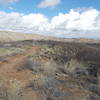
<point>8,69</point>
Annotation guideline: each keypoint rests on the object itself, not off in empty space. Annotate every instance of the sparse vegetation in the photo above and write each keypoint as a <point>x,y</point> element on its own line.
<point>10,51</point>
<point>49,70</point>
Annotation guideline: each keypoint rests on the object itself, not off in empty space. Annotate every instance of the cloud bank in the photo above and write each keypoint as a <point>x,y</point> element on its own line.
<point>48,3</point>
<point>7,1</point>
<point>76,23</point>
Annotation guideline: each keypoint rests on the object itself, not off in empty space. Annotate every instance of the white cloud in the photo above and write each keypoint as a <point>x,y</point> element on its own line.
<point>48,3</point>
<point>76,23</point>
<point>73,24</point>
<point>20,22</point>
<point>7,1</point>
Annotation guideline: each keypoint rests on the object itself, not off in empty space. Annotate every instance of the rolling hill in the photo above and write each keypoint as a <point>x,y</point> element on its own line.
<point>7,36</point>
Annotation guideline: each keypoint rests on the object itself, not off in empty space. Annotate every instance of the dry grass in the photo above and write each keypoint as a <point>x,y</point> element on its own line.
<point>50,70</point>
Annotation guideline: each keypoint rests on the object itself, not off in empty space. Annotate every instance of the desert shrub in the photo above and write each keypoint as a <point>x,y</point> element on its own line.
<point>11,93</point>
<point>3,93</point>
<point>76,67</point>
<point>47,85</point>
<point>36,66</point>
<point>55,53</point>
<point>30,65</point>
<point>10,51</point>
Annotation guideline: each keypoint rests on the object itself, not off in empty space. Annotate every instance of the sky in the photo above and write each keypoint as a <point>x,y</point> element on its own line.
<point>61,18</point>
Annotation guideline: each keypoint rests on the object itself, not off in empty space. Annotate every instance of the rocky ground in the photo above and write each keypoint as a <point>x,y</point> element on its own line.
<point>49,70</point>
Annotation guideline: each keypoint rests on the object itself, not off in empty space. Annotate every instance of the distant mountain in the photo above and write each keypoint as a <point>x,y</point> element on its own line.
<point>7,36</point>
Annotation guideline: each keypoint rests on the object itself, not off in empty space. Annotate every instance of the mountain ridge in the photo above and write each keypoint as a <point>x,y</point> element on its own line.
<point>7,36</point>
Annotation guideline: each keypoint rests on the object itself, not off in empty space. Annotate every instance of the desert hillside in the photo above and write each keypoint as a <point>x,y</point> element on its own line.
<point>6,36</point>
<point>49,70</point>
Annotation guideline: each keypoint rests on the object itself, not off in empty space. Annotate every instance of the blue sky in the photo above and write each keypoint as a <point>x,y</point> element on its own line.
<point>64,18</point>
<point>30,6</point>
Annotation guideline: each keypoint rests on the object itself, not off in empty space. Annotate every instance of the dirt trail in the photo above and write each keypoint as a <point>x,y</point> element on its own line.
<point>8,69</point>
